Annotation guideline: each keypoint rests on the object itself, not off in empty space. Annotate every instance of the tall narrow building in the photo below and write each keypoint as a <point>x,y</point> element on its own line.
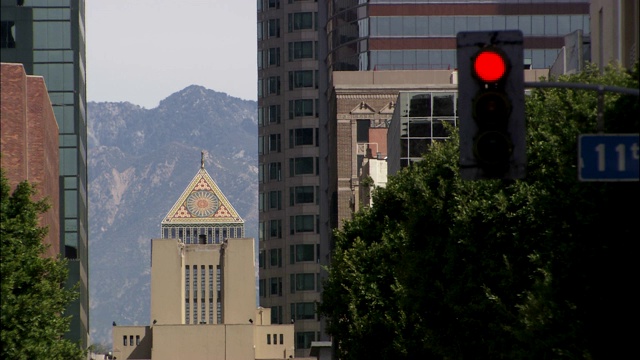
<point>48,38</point>
<point>288,118</point>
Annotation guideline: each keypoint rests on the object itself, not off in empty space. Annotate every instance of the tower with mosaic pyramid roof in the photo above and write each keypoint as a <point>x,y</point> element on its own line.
<point>203,287</point>
<point>202,213</point>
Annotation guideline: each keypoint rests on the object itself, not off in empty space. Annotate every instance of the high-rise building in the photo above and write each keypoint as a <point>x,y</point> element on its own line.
<point>48,38</point>
<point>301,46</point>
<point>289,165</point>
<point>203,290</point>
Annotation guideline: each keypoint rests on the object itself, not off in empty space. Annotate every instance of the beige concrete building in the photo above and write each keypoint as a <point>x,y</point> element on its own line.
<point>614,32</point>
<point>203,288</point>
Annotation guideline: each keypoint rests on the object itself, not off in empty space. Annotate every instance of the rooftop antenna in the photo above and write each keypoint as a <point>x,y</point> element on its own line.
<point>202,159</point>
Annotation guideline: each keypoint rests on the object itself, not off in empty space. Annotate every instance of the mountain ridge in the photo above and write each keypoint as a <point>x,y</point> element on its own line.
<point>139,162</point>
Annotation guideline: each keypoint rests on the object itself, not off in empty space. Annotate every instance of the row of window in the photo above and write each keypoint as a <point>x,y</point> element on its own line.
<point>298,166</point>
<point>413,59</point>
<point>275,339</point>
<point>297,224</point>
<point>297,253</point>
<point>202,235</point>
<point>130,342</point>
<point>297,282</point>
<point>297,80</point>
<point>297,137</point>
<point>425,128</point>
<point>275,4</point>
<point>296,21</point>
<point>299,311</point>
<point>296,50</point>
<point>530,25</point>
<point>298,108</point>
<point>272,200</point>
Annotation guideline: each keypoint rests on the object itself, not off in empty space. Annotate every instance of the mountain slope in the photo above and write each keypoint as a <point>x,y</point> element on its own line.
<point>140,160</point>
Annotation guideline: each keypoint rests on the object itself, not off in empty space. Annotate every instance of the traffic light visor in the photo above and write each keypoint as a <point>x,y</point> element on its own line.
<point>489,65</point>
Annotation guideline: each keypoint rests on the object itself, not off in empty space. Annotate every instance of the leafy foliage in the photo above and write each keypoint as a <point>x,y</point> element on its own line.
<point>441,268</point>
<point>33,295</point>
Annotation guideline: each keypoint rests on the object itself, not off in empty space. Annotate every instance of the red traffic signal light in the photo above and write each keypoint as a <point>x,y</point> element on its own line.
<point>491,104</point>
<point>490,65</point>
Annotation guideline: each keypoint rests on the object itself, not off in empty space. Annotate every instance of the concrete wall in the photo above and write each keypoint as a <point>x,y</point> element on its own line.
<point>614,32</point>
<point>167,274</point>
<point>239,281</point>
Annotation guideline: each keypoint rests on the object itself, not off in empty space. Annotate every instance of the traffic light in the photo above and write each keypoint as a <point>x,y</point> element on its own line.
<point>491,105</point>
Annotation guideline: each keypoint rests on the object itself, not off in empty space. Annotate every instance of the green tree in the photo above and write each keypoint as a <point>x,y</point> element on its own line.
<point>33,293</point>
<point>540,268</point>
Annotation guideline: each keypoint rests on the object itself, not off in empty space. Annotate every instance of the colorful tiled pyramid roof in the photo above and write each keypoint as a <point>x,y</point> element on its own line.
<point>202,202</point>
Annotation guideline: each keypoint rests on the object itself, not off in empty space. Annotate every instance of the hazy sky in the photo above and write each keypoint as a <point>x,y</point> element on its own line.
<point>142,51</point>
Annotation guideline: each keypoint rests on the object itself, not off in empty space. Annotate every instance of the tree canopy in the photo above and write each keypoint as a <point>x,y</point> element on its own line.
<point>539,268</point>
<point>33,293</point>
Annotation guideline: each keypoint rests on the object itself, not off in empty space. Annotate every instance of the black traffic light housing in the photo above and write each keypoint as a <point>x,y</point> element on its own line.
<point>491,105</point>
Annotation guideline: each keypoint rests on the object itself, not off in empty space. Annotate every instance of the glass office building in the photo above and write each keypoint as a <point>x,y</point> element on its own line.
<point>48,38</point>
<point>421,35</point>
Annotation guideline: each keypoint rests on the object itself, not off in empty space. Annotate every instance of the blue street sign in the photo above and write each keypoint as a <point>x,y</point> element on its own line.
<point>608,157</point>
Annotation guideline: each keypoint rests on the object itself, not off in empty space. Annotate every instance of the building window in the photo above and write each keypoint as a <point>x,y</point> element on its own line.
<point>304,339</point>
<point>262,287</point>
<point>275,256</point>
<point>137,340</point>
<point>301,223</point>
<point>275,229</point>
<point>273,28</point>
<point>301,253</point>
<point>301,79</point>
<point>303,311</point>
<point>300,50</point>
<point>275,171</point>
<point>130,340</point>
<point>275,339</point>
<point>219,294</point>
<point>281,339</point>
<point>274,4</point>
<point>124,340</point>
<point>210,311</point>
<point>300,21</point>
<point>275,200</point>
<point>261,260</point>
<point>303,282</point>
<point>300,108</point>
<point>273,57</point>
<point>301,166</point>
<point>187,291</point>
<point>274,114</point>
<point>276,315</point>
<point>268,339</point>
<point>275,285</point>
<point>300,137</point>
<point>210,281</point>
<point>274,143</point>
<point>301,195</point>
<point>273,85</point>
